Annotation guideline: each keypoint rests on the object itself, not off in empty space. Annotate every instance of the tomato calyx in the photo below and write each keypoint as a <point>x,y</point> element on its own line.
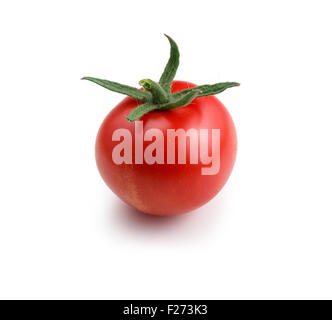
<point>157,95</point>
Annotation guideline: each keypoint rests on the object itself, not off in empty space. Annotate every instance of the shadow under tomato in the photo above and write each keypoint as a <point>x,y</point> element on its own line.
<point>133,217</point>
<point>202,222</point>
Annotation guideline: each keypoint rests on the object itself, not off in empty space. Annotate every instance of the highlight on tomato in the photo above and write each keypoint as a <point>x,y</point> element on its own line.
<point>168,147</point>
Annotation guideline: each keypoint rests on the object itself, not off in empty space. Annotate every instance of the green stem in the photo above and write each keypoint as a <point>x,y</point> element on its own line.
<point>168,75</point>
<point>140,111</point>
<point>208,90</point>
<point>174,103</point>
<point>121,88</point>
<point>158,93</point>
<point>158,96</point>
<point>182,101</point>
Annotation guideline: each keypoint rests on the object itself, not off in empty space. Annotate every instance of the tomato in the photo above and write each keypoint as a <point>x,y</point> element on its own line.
<point>169,147</point>
<point>167,189</point>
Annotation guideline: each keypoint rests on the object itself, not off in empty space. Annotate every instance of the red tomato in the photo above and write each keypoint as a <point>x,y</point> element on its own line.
<point>167,189</point>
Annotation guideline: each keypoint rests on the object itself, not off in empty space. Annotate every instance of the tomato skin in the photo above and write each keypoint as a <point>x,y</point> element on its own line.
<point>167,189</point>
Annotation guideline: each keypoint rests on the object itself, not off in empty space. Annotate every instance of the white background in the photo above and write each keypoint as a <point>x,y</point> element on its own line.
<point>63,234</point>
